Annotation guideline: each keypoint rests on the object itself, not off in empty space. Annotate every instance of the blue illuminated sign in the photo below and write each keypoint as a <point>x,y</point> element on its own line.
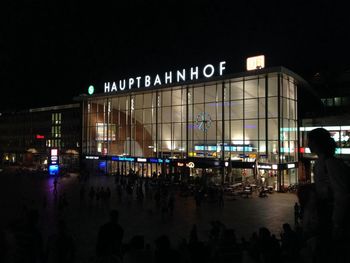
<point>102,165</point>
<point>53,169</point>
<point>126,159</point>
<point>153,160</point>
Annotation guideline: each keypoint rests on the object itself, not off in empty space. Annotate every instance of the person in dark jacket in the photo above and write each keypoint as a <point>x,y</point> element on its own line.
<point>332,185</point>
<point>110,236</point>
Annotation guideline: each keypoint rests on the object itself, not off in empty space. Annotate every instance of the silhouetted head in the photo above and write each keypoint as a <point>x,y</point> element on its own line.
<point>321,142</point>
<point>264,233</point>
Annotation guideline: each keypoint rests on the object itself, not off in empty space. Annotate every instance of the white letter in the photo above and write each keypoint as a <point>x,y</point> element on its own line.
<point>194,73</point>
<point>179,75</point>
<point>168,78</point>
<point>114,87</point>
<point>120,85</point>
<point>131,82</point>
<point>157,81</point>
<point>138,81</point>
<point>106,87</point>
<point>205,71</point>
<point>147,81</point>
<point>221,68</point>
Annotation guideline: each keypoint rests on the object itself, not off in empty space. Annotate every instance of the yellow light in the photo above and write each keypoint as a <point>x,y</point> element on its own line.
<point>254,63</point>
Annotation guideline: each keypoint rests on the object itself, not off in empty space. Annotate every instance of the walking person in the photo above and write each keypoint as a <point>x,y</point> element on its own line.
<point>109,239</point>
<point>55,182</point>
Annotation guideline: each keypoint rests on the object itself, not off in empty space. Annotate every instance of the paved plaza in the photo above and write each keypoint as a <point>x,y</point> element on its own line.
<point>245,215</point>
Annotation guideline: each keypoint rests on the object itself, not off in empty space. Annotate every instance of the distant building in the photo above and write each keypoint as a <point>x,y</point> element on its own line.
<point>27,136</point>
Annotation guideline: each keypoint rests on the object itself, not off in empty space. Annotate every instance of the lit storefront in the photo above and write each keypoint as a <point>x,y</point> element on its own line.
<point>196,122</point>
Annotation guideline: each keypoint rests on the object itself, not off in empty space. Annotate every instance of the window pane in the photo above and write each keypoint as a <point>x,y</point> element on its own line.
<point>285,108</point>
<point>166,114</point>
<point>262,131</point>
<point>147,100</point>
<point>147,116</point>
<point>251,130</point>
<point>251,88</point>
<point>237,90</point>
<point>176,113</point>
<point>237,109</point>
<point>210,93</point>
<point>261,87</point>
<point>272,129</point>
<point>251,108</point>
<point>138,101</point>
<point>166,132</point>
<point>272,86</point>
<point>211,133</point>
<point>262,108</point>
<point>198,95</point>
<point>285,88</point>
<point>272,107</point>
<point>177,131</point>
<point>237,130</point>
<point>166,98</point>
<point>176,99</point>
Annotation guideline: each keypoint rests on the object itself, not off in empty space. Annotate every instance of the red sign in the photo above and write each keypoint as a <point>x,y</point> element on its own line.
<point>38,136</point>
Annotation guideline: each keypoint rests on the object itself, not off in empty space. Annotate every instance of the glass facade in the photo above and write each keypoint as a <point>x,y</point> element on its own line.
<point>239,119</point>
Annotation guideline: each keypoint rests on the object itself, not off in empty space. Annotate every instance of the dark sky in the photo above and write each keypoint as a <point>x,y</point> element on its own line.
<point>52,50</point>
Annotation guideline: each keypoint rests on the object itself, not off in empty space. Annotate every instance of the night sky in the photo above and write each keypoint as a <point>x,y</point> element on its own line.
<point>51,51</point>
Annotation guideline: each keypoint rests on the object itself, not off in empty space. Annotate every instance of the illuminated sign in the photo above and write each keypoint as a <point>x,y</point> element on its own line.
<point>54,157</point>
<point>257,62</point>
<point>91,90</point>
<point>275,166</point>
<point>142,160</point>
<point>169,77</point>
<point>190,165</point>
<point>127,159</point>
<point>263,166</point>
<point>53,169</point>
<point>236,148</point>
<point>54,152</point>
<point>180,164</point>
<point>92,157</point>
<point>291,165</point>
<point>38,136</point>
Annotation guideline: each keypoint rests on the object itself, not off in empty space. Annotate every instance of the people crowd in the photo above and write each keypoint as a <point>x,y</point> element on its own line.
<point>319,234</point>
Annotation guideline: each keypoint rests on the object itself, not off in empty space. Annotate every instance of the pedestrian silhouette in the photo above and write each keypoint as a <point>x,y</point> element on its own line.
<point>109,239</point>
<point>332,185</point>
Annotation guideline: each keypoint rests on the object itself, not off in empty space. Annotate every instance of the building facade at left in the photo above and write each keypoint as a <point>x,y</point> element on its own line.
<point>28,136</point>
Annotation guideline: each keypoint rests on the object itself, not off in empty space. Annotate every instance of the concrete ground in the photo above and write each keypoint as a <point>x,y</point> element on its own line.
<point>245,215</point>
